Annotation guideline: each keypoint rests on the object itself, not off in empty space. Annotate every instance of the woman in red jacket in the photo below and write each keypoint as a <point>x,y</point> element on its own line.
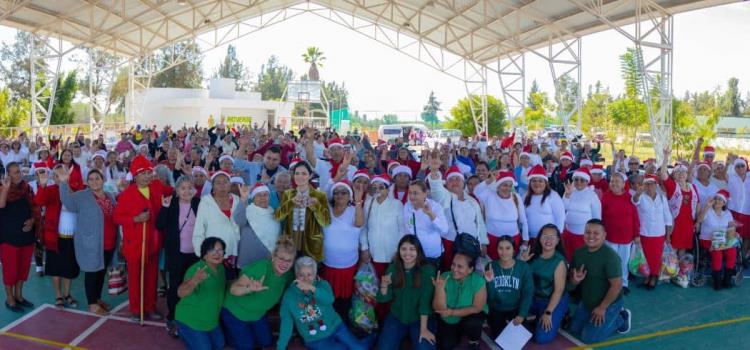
<point>621,222</point>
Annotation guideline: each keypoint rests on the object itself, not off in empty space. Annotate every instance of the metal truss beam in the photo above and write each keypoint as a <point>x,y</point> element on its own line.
<point>564,59</point>
<point>512,72</point>
<point>476,92</point>
<point>102,74</point>
<point>45,58</point>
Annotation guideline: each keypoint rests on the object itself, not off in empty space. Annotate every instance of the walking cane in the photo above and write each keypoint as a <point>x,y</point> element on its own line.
<point>143,263</point>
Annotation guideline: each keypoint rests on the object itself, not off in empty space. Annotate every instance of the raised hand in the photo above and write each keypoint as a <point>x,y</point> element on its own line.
<point>489,274</point>
<point>200,275</point>
<point>166,201</point>
<point>568,188</point>
<point>42,178</point>
<point>579,274</point>
<point>244,192</point>
<point>526,255</point>
<point>63,175</point>
<point>438,281</point>
<point>257,285</point>
<point>142,217</point>
<point>385,281</point>
<point>358,192</point>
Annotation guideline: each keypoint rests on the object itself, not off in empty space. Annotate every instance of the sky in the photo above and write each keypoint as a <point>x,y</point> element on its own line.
<point>709,49</point>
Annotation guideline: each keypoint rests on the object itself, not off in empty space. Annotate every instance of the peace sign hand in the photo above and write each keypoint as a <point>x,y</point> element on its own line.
<point>438,281</point>
<point>489,274</point>
<point>200,275</point>
<point>244,192</point>
<point>63,175</point>
<point>257,285</point>
<point>568,188</point>
<point>42,178</point>
<point>579,274</point>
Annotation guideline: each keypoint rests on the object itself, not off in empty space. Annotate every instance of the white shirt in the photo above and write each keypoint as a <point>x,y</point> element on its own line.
<point>428,231</point>
<point>551,212</point>
<point>581,207</point>
<point>502,215</point>
<point>466,214</point>
<point>341,240</point>
<point>739,200</point>
<point>383,229</point>
<point>210,221</point>
<point>654,215</point>
<point>712,223</point>
<point>705,192</point>
<point>323,168</point>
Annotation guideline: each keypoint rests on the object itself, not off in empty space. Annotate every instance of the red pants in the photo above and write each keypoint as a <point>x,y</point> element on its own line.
<point>729,255</point>
<point>341,280</point>
<point>381,309</point>
<point>653,247</point>
<point>492,246</point>
<point>149,284</point>
<point>16,263</point>
<point>571,242</point>
<point>743,224</point>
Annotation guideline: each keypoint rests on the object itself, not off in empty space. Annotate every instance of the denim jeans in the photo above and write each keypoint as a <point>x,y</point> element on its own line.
<point>246,335</point>
<point>582,327</point>
<point>394,332</point>
<point>341,339</point>
<point>538,307</point>
<point>197,340</point>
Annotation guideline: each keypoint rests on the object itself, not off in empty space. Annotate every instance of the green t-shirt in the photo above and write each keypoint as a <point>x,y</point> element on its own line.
<point>200,310</point>
<point>544,274</point>
<point>252,306</point>
<point>600,266</point>
<point>409,303</point>
<point>459,295</point>
<point>511,289</point>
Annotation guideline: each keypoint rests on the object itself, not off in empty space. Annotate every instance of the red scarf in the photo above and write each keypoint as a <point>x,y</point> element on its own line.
<point>334,167</point>
<point>406,195</point>
<point>564,171</point>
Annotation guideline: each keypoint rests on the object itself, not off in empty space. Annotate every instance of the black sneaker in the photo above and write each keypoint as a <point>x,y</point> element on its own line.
<point>14,308</point>
<point>24,303</point>
<point>626,316</point>
<point>625,290</point>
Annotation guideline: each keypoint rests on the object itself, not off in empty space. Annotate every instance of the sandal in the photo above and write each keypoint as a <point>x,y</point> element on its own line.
<point>97,310</point>
<point>103,305</point>
<point>71,302</point>
<point>60,303</point>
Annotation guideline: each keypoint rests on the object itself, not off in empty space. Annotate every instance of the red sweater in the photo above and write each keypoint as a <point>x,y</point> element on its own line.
<point>49,197</point>
<point>620,217</point>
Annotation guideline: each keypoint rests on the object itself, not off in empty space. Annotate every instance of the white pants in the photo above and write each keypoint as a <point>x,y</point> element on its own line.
<point>623,251</point>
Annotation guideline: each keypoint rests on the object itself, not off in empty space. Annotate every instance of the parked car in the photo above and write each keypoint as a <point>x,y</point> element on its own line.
<point>441,136</point>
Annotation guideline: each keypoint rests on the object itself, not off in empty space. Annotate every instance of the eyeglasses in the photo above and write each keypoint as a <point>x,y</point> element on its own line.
<point>633,163</point>
<point>216,251</point>
<point>578,179</point>
<point>379,188</point>
<point>340,193</point>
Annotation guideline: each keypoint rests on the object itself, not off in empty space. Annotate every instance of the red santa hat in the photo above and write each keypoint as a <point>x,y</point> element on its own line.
<point>582,173</point>
<point>740,161</point>
<point>361,173</point>
<point>219,173</point>
<point>199,169</point>
<point>597,169</point>
<point>383,179</point>
<point>680,167</point>
<point>587,162</point>
<point>567,155</point>
<point>226,157</point>
<point>294,162</point>
<point>344,184</point>
<point>381,143</point>
<point>705,164</point>
<point>723,194</point>
<point>526,151</point>
<point>336,142</point>
<point>504,176</point>
<point>650,178</point>
<point>401,169</point>
<point>140,164</point>
<point>453,171</point>
<point>537,171</point>
<point>650,160</point>
<point>709,151</point>
<point>40,166</point>
<point>258,188</point>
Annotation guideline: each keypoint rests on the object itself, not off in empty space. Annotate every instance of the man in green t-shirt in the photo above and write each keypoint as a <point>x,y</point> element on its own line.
<point>596,271</point>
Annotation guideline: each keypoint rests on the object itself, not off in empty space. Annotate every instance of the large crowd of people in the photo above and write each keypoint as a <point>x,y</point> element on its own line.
<point>241,227</point>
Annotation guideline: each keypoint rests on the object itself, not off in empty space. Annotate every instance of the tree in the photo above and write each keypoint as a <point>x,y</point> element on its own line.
<point>731,102</point>
<point>594,110</point>
<point>315,58</point>
<point>536,113</point>
<point>233,68</point>
<point>429,111</point>
<point>119,91</point>
<point>98,78</point>
<point>273,79</point>
<point>390,119</point>
<point>188,74</point>
<point>62,111</point>
<point>629,111</point>
<point>13,113</point>
<point>337,95</point>
<point>16,64</point>
<point>534,91</point>
<point>462,119</point>
<point>566,95</point>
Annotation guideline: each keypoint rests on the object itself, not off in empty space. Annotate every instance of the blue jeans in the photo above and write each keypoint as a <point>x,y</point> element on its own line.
<point>582,327</point>
<point>246,335</point>
<point>341,339</point>
<point>537,308</point>
<point>394,332</point>
<point>197,340</point>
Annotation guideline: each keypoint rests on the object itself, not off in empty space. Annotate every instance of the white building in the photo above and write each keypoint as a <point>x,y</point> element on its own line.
<point>178,107</point>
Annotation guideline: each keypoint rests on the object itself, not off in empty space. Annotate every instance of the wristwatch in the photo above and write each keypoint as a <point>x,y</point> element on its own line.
<point>547,312</point>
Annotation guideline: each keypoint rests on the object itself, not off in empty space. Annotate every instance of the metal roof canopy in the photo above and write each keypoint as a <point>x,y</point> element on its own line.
<point>466,39</point>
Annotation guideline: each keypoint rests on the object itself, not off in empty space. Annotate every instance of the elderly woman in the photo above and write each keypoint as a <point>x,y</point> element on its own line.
<point>682,197</point>
<point>621,222</point>
<point>259,288</point>
<point>177,222</point>
<point>214,219</point>
<point>505,213</point>
<point>739,204</point>
<point>718,235</point>
<point>201,297</point>
<point>461,301</point>
<point>279,184</point>
<point>308,306</point>
<point>18,216</point>
<point>581,205</point>
<point>259,230</point>
<point>305,212</point>
<point>656,224</point>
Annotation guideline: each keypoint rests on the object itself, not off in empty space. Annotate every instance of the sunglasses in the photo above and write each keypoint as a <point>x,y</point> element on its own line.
<point>578,179</point>
<point>379,188</point>
<point>340,193</point>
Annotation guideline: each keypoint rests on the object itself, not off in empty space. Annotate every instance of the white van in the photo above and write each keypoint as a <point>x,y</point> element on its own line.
<point>389,133</point>
<point>441,137</point>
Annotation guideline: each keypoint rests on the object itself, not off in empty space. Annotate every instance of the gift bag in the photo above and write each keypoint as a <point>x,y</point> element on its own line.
<point>670,264</point>
<point>637,264</point>
<point>685,274</point>
<point>362,312</point>
<point>118,281</point>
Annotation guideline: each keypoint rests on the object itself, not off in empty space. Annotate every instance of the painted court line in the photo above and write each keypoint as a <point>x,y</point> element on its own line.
<point>24,318</point>
<point>568,336</point>
<point>41,341</point>
<point>663,333</point>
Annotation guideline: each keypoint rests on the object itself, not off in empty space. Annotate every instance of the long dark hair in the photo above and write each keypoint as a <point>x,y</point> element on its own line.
<point>538,245</point>
<point>398,281</point>
<point>529,193</point>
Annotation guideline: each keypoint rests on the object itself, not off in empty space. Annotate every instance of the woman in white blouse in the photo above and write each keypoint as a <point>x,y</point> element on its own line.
<point>581,205</point>
<point>341,243</point>
<point>718,236</point>
<point>425,218</point>
<point>543,206</point>
<point>384,217</point>
<point>504,213</point>
<point>656,222</point>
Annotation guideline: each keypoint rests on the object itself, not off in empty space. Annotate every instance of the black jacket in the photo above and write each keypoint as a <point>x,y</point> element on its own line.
<point>557,184</point>
<point>168,223</point>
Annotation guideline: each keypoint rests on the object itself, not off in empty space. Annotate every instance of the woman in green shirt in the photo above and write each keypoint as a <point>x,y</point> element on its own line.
<point>256,291</point>
<point>407,285</point>
<point>550,270</point>
<point>510,288</point>
<point>461,301</point>
<point>201,296</point>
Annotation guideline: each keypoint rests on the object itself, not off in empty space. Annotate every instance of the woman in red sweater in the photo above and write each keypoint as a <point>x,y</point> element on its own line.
<point>621,222</point>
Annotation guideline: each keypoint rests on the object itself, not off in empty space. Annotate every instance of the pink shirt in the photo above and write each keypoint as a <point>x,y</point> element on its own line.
<point>186,220</point>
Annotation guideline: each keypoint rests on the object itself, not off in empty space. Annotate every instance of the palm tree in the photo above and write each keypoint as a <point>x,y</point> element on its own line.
<point>314,57</point>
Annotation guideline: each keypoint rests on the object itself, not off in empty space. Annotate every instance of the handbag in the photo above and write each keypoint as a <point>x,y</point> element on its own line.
<point>118,281</point>
<point>464,243</point>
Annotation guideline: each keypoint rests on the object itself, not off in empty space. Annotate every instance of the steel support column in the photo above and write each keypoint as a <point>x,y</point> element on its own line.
<point>564,59</point>
<point>43,96</point>
<point>475,82</point>
<point>140,73</point>
<point>511,72</point>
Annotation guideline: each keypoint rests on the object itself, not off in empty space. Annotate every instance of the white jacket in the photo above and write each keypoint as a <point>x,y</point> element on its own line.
<point>383,228</point>
<point>739,201</point>
<point>654,215</point>
<point>466,214</point>
<point>581,207</point>
<point>503,215</point>
<point>428,231</point>
<point>211,222</point>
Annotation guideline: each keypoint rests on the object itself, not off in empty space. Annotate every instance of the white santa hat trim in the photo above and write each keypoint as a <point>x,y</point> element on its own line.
<point>680,167</point>
<point>504,179</point>
<point>401,169</point>
<point>381,180</point>
<point>358,175</point>
<point>100,154</point>
<point>454,174</point>
<point>342,184</point>
<point>258,189</point>
<point>226,157</point>
<point>588,162</point>
<point>739,161</point>
<point>236,180</point>
<point>197,169</point>
<point>582,175</point>
<point>566,156</point>
<point>220,173</point>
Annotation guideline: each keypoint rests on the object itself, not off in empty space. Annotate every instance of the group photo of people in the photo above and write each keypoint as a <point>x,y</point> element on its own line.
<point>263,238</point>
